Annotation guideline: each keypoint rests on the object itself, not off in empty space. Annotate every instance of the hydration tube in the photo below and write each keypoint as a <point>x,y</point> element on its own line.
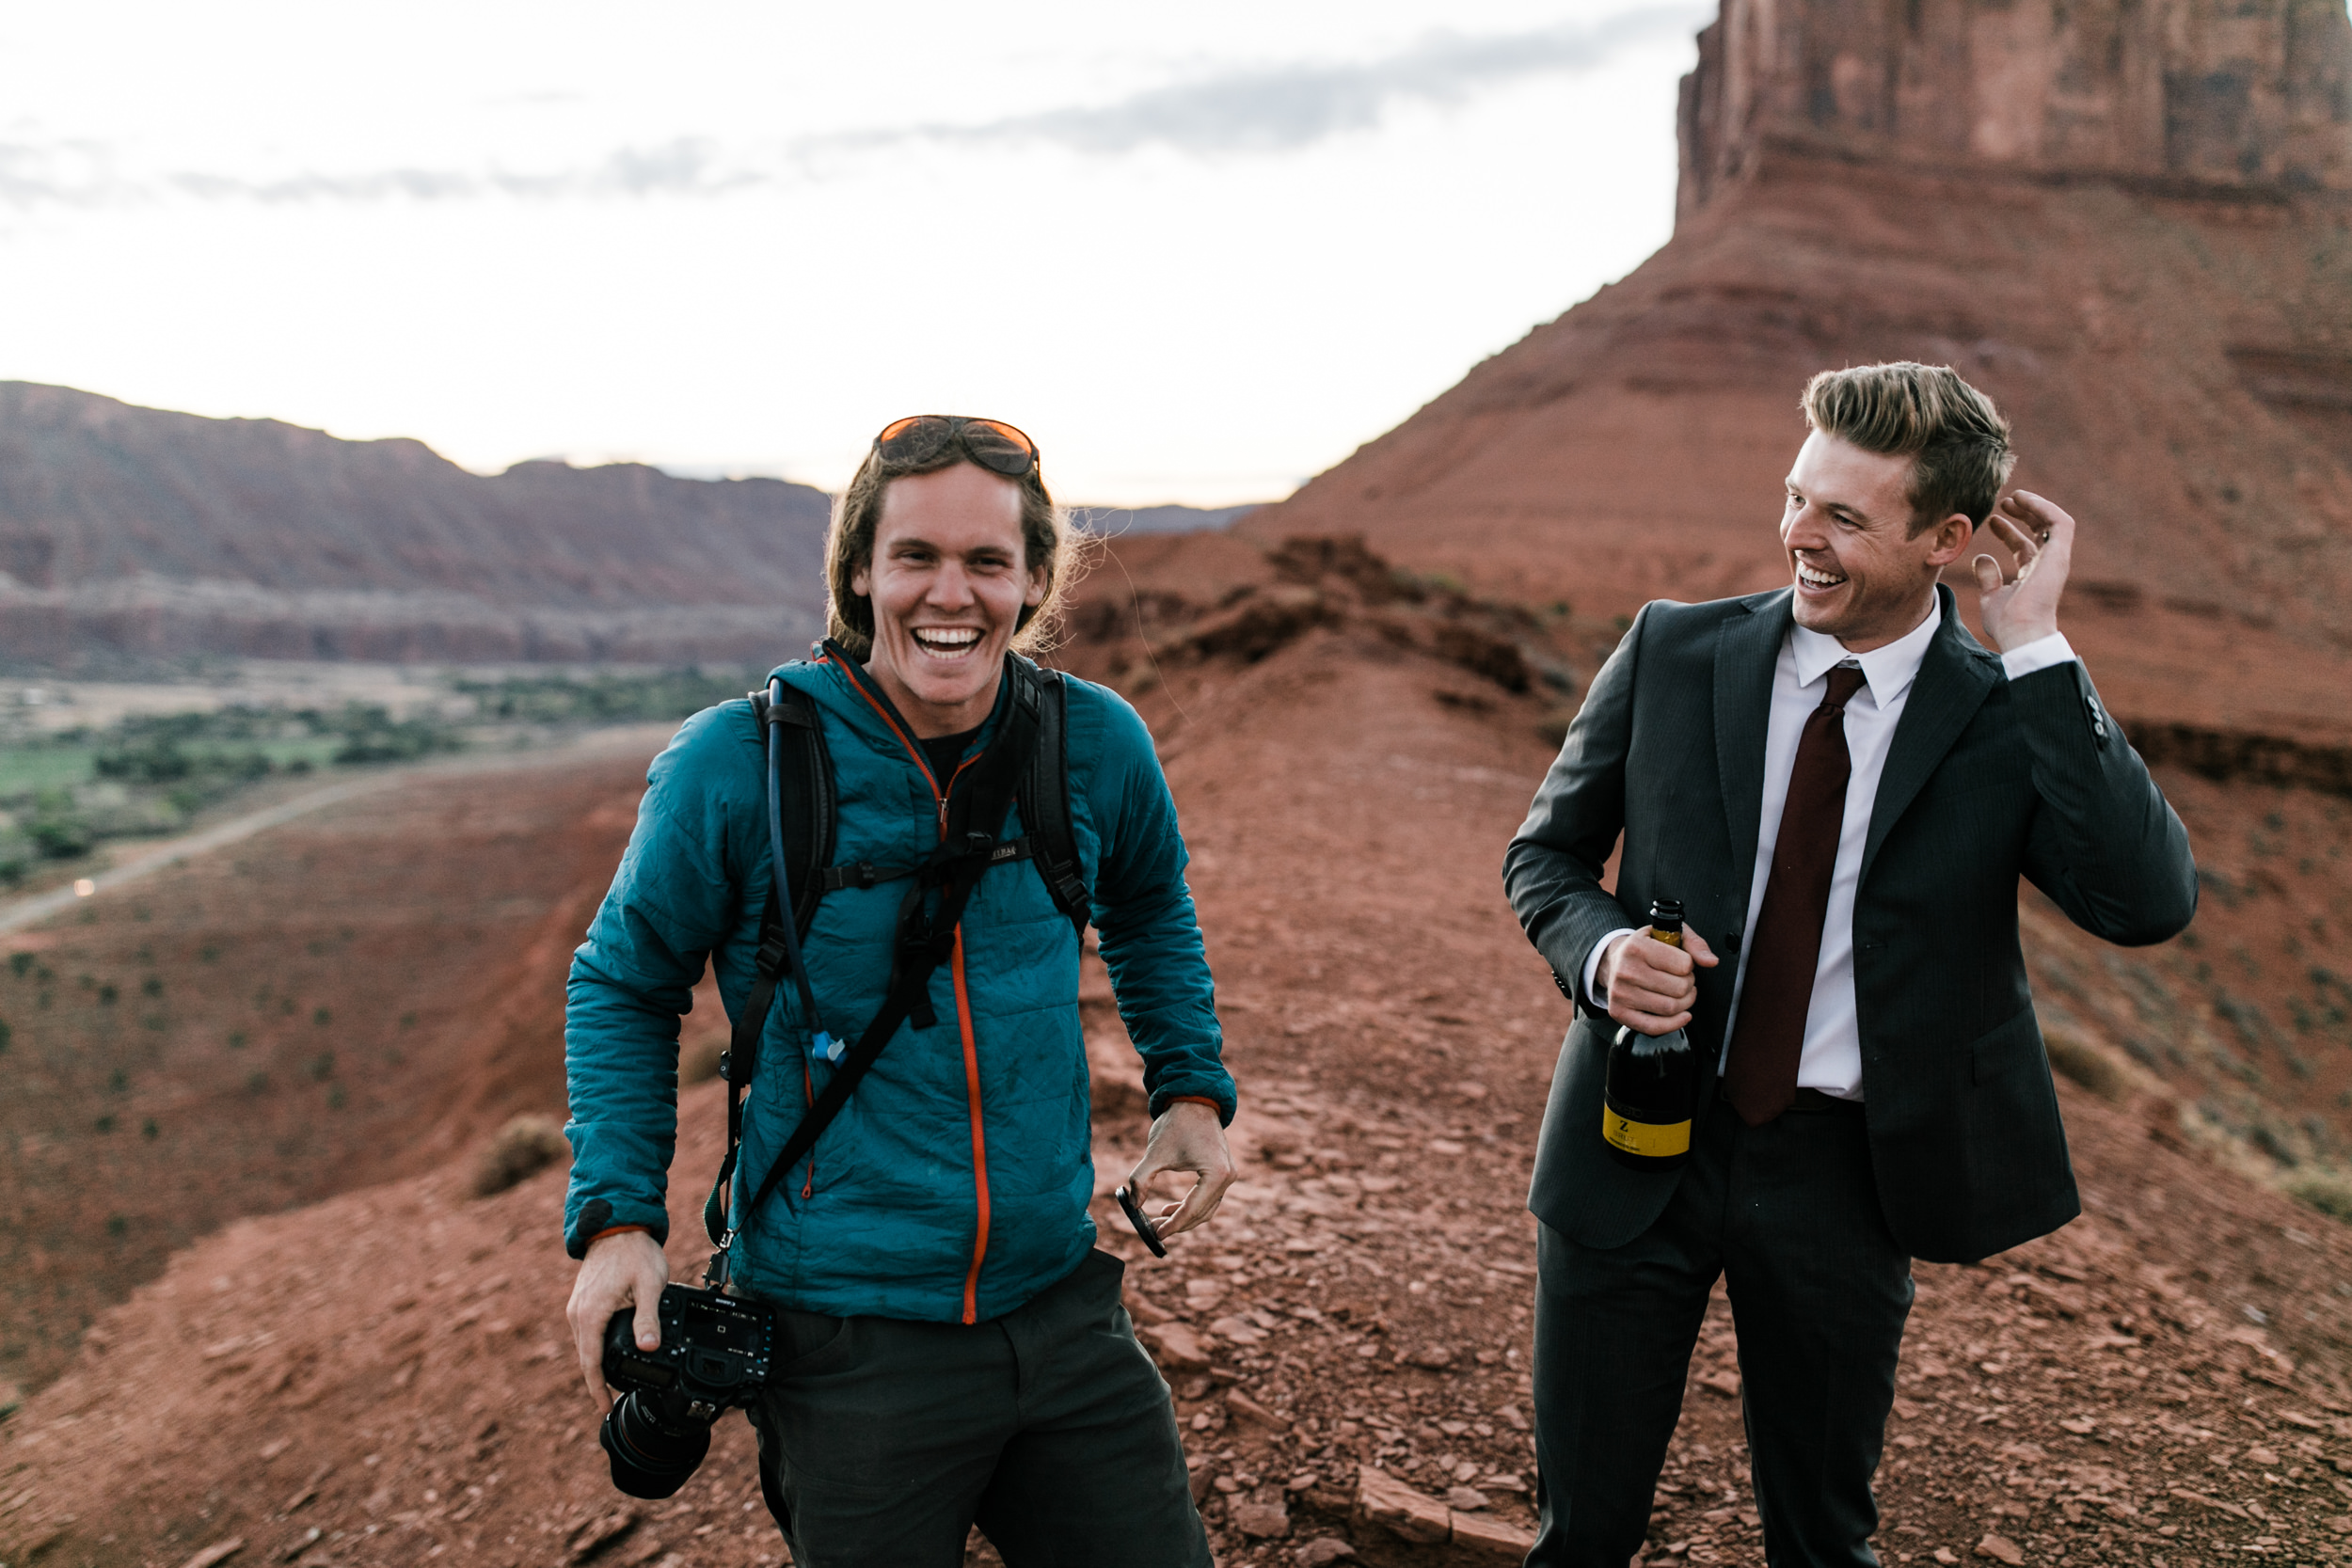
<point>822,1045</point>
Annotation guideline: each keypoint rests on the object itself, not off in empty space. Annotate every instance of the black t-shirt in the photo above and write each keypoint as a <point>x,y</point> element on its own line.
<point>944,751</point>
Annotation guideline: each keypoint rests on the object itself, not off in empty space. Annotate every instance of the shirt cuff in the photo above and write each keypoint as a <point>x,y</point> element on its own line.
<point>2043,653</point>
<point>615,1231</point>
<point>1599,997</point>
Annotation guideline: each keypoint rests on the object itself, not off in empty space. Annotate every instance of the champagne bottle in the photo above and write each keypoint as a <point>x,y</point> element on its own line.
<point>1651,1091</point>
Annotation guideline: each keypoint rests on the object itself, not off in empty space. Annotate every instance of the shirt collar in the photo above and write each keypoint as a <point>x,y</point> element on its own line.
<point>1887,671</point>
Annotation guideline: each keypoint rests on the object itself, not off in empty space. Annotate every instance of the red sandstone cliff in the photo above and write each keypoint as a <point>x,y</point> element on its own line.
<point>2132,224</point>
<point>2181,96</point>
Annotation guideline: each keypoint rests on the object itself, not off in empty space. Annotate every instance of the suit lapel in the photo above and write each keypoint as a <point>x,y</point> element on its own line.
<point>1747,651</point>
<point>1953,681</point>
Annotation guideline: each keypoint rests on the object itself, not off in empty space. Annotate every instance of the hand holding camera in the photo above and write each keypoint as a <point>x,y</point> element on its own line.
<point>713,1355</point>
<point>621,1271</point>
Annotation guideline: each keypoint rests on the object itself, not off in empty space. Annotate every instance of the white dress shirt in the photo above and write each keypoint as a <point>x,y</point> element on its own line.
<point>1831,1060</point>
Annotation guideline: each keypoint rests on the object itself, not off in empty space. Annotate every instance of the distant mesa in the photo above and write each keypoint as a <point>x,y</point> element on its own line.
<point>131,534</point>
<point>127,532</point>
<point>2130,222</point>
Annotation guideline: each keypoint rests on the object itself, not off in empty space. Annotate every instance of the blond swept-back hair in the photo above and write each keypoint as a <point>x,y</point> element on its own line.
<point>1046,540</point>
<point>1957,440</point>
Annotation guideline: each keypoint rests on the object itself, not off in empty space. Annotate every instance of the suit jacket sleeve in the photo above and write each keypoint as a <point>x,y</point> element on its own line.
<point>1553,867</point>
<point>2104,845</point>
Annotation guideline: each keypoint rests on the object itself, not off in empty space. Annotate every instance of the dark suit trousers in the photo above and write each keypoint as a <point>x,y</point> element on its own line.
<point>1787,1214</point>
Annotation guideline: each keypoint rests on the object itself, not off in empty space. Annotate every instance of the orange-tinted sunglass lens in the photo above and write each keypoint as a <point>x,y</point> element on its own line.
<point>991,443</point>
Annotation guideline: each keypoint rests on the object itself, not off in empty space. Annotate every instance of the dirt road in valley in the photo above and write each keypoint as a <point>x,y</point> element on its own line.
<point>131,861</point>
<point>381,1378</point>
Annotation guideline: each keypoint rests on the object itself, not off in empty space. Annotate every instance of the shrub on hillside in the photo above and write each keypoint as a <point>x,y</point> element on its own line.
<point>2074,1057</point>
<point>2329,1192</point>
<point>522,1148</point>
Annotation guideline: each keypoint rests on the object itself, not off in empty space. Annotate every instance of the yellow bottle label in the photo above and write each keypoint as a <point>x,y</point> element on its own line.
<point>1658,1141</point>
<point>1672,939</point>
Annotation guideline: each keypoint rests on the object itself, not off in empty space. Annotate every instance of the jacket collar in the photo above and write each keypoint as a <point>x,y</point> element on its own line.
<point>1955,677</point>
<point>1747,651</point>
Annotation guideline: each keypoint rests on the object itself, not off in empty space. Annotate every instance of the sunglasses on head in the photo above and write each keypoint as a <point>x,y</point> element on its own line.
<point>992,444</point>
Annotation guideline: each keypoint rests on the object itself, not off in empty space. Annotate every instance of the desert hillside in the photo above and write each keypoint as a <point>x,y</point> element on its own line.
<point>1349,1343</point>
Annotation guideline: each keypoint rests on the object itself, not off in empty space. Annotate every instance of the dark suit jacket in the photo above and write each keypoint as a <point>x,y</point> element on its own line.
<point>1986,778</point>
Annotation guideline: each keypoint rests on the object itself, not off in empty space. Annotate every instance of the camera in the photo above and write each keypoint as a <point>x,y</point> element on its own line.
<point>714,1355</point>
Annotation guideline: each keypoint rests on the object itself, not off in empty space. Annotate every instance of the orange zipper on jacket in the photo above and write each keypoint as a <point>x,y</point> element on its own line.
<point>979,1138</point>
<point>808,1088</point>
<point>963,1016</point>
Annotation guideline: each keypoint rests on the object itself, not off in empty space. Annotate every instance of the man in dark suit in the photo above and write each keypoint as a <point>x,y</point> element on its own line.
<point>1842,787</point>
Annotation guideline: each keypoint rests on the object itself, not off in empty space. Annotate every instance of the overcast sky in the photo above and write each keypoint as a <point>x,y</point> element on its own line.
<point>1201,253</point>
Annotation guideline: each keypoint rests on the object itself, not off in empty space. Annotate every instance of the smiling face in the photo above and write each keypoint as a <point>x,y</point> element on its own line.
<point>947,581</point>
<point>1860,575</point>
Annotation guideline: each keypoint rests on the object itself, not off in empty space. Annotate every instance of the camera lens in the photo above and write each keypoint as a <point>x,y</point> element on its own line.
<point>651,1457</point>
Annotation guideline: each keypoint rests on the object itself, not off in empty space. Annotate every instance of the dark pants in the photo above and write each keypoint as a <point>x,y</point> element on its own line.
<point>883,1442</point>
<point>1788,1214</point>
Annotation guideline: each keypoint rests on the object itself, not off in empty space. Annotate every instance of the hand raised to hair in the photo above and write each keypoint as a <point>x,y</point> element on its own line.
<point>2019,603</point>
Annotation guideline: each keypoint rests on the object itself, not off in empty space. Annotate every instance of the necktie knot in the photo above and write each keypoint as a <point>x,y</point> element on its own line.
<point>1844,681</point>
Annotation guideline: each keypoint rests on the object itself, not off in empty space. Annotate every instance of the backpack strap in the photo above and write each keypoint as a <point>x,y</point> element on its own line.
<point>811,810</point>
<point>808,810</point>
<point>1044,792</point>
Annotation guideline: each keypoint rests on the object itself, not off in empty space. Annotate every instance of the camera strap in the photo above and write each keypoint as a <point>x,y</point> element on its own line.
<point>927,930</point>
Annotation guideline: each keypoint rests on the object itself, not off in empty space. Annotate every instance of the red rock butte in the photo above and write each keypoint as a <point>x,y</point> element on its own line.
<point>2130,223</point>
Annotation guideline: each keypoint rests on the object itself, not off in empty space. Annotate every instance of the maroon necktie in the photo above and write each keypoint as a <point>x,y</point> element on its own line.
<point>1768,1035</point>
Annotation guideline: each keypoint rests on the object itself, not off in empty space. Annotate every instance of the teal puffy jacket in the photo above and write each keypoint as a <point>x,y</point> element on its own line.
<point>954,1185</point>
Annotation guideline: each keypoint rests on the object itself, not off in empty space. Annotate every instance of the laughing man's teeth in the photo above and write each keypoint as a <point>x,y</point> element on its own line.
<point>1816,578</point>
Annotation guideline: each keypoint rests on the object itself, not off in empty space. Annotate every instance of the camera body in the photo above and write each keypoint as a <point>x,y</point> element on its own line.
<point>714,1356</point>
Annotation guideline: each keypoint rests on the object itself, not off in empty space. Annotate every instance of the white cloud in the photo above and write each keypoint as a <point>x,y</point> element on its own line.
<point>1201,254</point>
<point>1286,108</point>
<point>1251,110</point>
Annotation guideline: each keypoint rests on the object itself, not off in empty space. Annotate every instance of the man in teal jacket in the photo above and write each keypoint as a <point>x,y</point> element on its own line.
<point>956,1352</point>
